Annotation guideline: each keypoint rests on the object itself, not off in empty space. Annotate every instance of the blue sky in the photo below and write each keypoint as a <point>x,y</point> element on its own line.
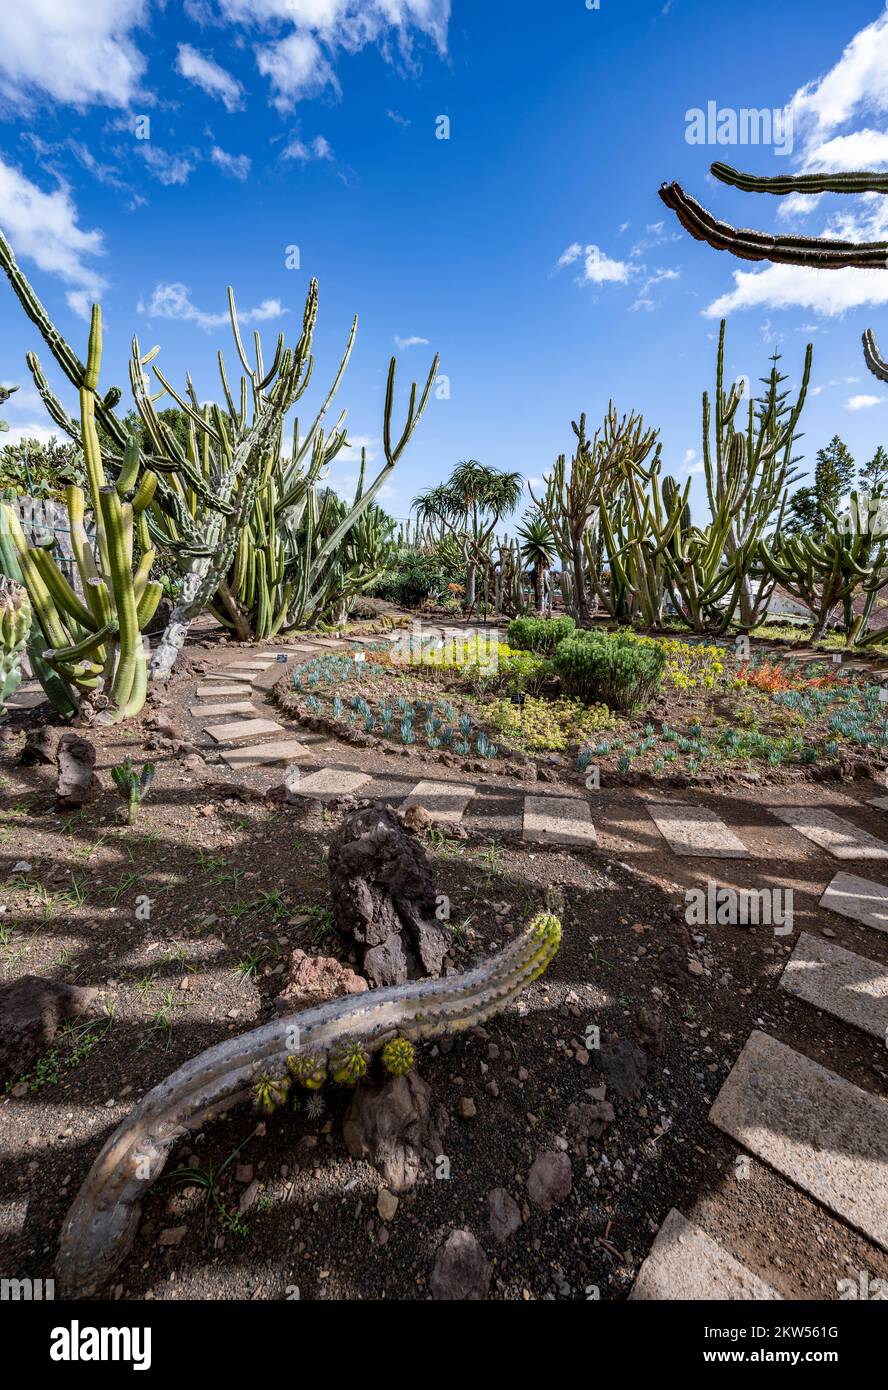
<point>530,248</point>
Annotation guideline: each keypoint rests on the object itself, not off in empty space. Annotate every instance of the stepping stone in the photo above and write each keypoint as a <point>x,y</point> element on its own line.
<point>237,729</point>
<point>686,1264</point>
<point>245,677</point>
<point>840,983</point>
<point>235,707</point>
<point>25,699</point>
<point>838,837</point>
<point>824,1134</point>
<point>880,802</point>
<point>443,800</point>
<point>558,820</point>
<point>209,692</point>
<point>858,898</point>
<point>695,830</point>
<point>259,754</point>
<point>328,782</point>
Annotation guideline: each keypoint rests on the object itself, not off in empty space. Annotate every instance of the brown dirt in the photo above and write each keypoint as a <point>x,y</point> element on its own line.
<point>205,859</point>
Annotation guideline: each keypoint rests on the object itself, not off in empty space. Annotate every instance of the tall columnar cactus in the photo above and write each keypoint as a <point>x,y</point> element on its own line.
<point>747,470</point>
<point>510,596</point>
<point>15,624</point>
<point>852,556</point>
<point>227,505</point>
<point>94,643</point>
<point>574,497</point>
<point>334,1038</point>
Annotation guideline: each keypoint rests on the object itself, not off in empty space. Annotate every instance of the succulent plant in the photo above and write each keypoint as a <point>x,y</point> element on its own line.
<point>349,1063</point>
<point>398,1056</point>
<point>307,1070</point>
<point>133,786</point>
<point>15,624</point>
<point>269,1092</point>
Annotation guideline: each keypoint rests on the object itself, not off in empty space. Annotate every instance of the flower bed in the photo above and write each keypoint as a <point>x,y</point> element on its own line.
<point>694,710</point>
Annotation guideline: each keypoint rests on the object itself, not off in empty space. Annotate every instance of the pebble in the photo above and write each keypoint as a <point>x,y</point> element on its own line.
<point>386,1204</point>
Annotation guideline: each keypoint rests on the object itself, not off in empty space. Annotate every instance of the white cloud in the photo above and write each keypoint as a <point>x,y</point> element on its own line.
<point>41,432</point>
<point>863,402</point>
<point>828,292</point>
<point>404,343</point>
<point>237,165</point>
<point>167,168</point>
<point>210,77</point>
<point>854,89</point>
<point>43,227</point>
<point>691,462</point>
<point>305,151</point>
<point>76,55</point>
<point>599,269</point>
<point>297,68</point>
<point>173,301</point>
<point>351,453</point>
<point>857,83</point>
<point>301,64</point>
<point>569,255</point>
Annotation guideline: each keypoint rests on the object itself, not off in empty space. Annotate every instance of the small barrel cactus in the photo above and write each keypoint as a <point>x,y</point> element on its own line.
<point>308,1071</point>
<point>15,623</point>
<point>398,1056</point>
<point>349,1063</point>
<point>269,1092</point>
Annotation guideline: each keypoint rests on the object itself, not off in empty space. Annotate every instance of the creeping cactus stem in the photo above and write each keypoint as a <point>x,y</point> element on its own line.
<point>101,1224</point>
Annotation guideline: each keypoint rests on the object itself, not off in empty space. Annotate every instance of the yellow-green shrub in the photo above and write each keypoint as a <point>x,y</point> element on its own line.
<point>547,725</point>
<point>690,665</point>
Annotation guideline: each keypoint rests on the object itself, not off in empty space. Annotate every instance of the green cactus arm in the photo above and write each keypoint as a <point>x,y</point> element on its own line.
<point>819,252</point>
<point>89,646</point>
<point>148,602</point>
<point>63,596</point>
<point>57,690</point>
<point>863,181</point>
<point>131,651</point>
<point>56,411</point>
<point>129,472</point>
<point>873,358</point>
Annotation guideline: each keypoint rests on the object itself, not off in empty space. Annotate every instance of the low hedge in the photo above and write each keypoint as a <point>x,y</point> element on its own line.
<point>539,634</point>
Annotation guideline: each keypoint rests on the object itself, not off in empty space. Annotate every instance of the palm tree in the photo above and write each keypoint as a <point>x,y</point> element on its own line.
<point>469,506</point>
<point>538,550</point>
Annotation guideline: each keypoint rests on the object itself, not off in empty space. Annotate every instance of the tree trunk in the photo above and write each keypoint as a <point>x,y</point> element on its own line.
<point>581,599</point>
<point>471,573</point>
